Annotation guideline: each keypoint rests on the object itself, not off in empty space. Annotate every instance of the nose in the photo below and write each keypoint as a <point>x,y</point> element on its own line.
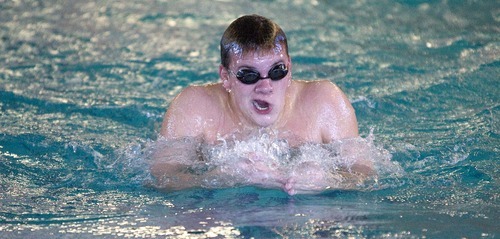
<point>264,86</point>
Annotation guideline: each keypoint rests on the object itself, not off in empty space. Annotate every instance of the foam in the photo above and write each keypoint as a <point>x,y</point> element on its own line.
<point>262,157</point>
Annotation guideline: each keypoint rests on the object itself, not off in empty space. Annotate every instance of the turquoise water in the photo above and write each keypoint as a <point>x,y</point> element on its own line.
<point>84,85</point>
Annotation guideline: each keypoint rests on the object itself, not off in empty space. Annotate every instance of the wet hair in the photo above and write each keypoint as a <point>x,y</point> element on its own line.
<point>251,33</point>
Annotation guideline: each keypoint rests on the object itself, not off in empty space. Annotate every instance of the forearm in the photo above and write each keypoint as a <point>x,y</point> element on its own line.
<point>170,163</point>
<point>170,176</point>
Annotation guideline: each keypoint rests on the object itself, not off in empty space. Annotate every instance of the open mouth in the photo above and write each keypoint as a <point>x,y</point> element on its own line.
<point>261,105</point>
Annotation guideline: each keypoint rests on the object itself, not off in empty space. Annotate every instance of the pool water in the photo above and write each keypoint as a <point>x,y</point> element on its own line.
<point>84,86</point>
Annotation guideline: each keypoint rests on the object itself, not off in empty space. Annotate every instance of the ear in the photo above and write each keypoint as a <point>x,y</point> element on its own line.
<point>223,73</point>
<point>289,63</point>
<point>289,71</point>
<point>224,77</point>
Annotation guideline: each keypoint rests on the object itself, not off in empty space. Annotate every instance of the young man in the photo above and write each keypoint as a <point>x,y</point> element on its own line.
<point>257,92</point>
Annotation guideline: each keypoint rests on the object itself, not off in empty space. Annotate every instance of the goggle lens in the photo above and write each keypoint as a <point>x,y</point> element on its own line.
<point>249,77</point>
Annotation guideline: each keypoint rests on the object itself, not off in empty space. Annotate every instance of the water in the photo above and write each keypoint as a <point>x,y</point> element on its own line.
<point>84,85</point>
<point>262,157</point>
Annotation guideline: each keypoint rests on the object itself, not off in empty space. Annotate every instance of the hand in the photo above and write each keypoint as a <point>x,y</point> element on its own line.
<point>256,170</point>
<point>307,178</point>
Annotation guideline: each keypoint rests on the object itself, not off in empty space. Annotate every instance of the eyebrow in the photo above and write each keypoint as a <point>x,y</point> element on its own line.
<point>253,68</point>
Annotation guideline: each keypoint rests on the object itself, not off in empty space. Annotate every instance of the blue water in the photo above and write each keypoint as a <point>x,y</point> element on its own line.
<point>84,86</point>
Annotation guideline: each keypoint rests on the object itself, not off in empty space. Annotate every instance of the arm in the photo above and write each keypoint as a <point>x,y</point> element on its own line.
<point>337,114</point>
<point>186,114</point>
<point>180,137</point>
<point>343,126</point>
<point>179,164</point>
<point>171,159</point>
<point>337,123</point>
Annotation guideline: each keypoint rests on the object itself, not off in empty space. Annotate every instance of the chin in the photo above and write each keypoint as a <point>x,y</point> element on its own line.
<point>265,122</point>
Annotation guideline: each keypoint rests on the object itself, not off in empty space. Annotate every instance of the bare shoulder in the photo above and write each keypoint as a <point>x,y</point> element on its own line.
<point>189,110</point>
<point>332,109</point>
<point>194,96</point>
<point>323,92</point>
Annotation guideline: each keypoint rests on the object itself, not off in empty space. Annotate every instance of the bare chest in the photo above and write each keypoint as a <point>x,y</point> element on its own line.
<point>295,130</point>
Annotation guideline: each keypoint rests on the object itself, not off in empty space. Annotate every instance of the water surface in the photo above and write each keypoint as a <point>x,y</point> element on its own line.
<point>84,86</point>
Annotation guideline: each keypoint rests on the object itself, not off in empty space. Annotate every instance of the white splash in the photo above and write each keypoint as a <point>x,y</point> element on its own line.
<point>263,159</point>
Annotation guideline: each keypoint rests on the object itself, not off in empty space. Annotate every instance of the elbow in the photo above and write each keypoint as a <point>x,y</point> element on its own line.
<point>365,169</point>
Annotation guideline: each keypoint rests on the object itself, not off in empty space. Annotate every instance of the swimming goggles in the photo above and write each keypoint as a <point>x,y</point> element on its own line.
<point>249,77</point>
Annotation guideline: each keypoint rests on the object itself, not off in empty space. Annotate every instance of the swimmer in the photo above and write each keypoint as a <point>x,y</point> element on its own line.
<point>256,91</point>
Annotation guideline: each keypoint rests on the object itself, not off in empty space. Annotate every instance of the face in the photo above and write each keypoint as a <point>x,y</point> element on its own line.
<point>262,103</point>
